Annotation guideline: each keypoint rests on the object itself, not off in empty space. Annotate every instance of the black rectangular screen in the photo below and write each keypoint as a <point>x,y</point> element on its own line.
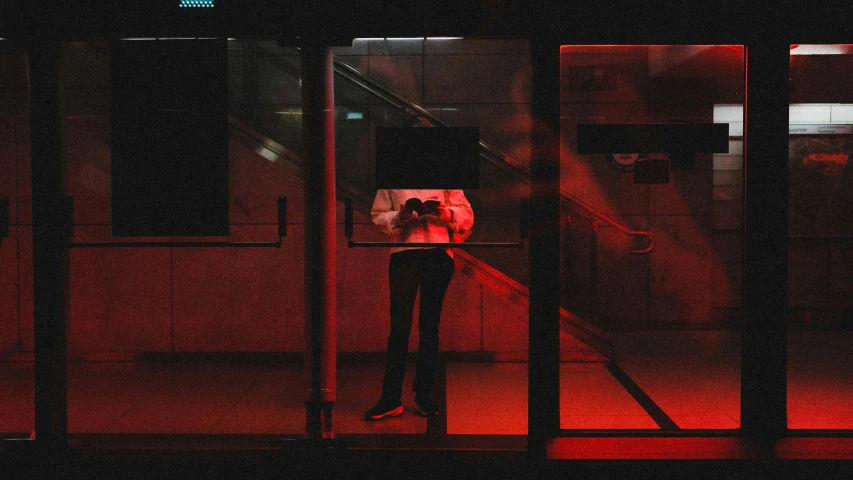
<point>169,137</point>
<point>428,158</point>
<point>653,138</point>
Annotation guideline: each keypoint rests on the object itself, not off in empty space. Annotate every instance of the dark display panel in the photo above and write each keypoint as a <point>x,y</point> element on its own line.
<point>427,158</point>
<point>169,137</point>
<point>653,138</point>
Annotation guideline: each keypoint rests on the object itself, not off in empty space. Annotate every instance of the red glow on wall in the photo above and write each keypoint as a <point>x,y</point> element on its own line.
<point>567,48</point>
<point>826,158</point>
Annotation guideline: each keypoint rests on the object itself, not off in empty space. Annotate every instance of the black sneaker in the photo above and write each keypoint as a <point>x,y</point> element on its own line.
<point>384,408</point>
<point>425,408</point>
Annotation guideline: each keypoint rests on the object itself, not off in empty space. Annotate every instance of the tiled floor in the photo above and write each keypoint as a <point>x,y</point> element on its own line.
<point>590,397</point>
<point>820,398</point>
<point>16,397</point>
<point>692,376</point>
<point>487,398</point>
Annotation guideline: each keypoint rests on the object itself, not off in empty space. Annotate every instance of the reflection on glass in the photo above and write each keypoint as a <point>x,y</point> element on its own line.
<point>16,263</point>
<point>820,210</point>
<point>664,323</point>
<point>180,340</point>
<point>480,384</point>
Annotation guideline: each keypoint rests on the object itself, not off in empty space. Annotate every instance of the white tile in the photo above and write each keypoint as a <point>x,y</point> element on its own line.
<point>841,113</point>
<point>727,177</point>
<point>728,113</point>
<point>735,129</point>
<point>809,113</point>
<point>821,50</point>
<point>728,162</point>
<point>479,46</point>
<point>396,46</point>
<point>735,147</point>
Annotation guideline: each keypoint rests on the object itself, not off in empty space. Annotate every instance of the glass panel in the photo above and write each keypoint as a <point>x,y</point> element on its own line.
<point>17,408</point>
<point>179,340</point>
<point>820,231</point>
<point>481,380</point>
<point>656,340</point>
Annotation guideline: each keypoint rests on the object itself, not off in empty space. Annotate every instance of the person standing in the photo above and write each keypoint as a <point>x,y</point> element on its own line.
<point>409,216</point>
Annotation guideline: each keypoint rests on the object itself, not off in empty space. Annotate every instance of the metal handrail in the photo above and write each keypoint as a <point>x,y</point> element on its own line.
<point>364,82</point>
<point>612,223</point>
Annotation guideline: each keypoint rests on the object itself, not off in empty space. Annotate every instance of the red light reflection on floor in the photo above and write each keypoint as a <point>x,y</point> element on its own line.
<point>815,448</point>
<point>650,448</point>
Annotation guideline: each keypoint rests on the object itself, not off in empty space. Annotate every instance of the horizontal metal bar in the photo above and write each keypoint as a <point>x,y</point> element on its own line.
<point>520,244</point>
<point>820,237</point>
<point>173,244</point>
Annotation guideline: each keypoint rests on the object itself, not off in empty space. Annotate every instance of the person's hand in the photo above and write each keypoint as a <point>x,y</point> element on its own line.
<point>443,213</point>
<point>407,214</point>
<point>439,215</point>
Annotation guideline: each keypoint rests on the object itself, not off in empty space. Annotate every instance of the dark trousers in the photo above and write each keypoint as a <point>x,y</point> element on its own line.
<point>431,271</point>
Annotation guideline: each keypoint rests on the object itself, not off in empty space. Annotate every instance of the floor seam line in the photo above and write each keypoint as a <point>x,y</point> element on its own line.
<point>219,420</point>
<point>652,409</point>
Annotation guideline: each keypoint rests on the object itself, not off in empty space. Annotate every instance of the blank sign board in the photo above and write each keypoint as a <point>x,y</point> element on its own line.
<point>427,158</point>
<point>653,138</point>
<point>169,137</point>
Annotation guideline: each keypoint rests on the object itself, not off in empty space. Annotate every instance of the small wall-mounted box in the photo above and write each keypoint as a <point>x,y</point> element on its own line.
<point>651,170</point>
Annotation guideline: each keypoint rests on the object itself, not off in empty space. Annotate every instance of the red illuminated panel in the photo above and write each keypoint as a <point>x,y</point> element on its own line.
<point>826,158</point>
<point>569,48</point>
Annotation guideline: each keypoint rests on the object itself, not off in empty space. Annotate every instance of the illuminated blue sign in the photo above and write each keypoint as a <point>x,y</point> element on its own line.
<point>196,3</point>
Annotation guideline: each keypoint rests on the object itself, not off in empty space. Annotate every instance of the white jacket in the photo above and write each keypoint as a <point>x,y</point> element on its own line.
<point>429,228</point>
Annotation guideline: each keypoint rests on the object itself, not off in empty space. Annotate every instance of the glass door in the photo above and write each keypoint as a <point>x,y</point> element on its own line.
<point>17,407</point>
<point>415,85</point>
<point>820,233</point>
<point>651,177</point>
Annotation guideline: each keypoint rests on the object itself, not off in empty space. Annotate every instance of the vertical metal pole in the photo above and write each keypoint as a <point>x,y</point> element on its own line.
<point>593,273</point>
<point>50,247</point>
<point>544,343</point>
<point>765,247</point>
<point>566,261</point>
<point>318,124</point>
